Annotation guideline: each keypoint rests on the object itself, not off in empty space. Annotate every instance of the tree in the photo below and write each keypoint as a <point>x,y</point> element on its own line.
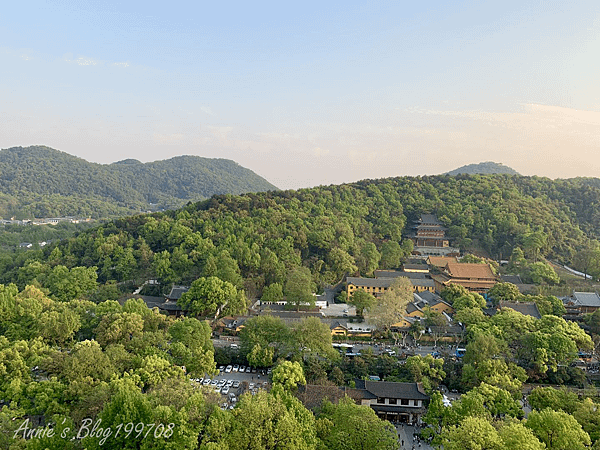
<point>558,430</point>
<point>391,253</point>
<point>541,272</point>
<point>272,293</point>
<point>126,405</point>
<point>557,399</point>
<point>289,375</point>
<point>497,401</point>
<point>588,415</point>
<point>515,435</point>
<point>60,324</point>
<point>260,356</point>
<point>266,332</point>
<point>155,370</point>
<point>517,260</point>
<point>299,288</point>
<point>534,244</point>
<point>119,328</point>
<point>354,427</point>
<point>368,260</point>
<point>213,297</point>
<point>426,370</point>
<point>362,300</point>
<point>469,300</point>
<point>195,350</point>
<point>267,421</point>
<point>454,291</point>
<point>504,292</point>
<point>310,335</point>
<point>473,433</point>
<point>88,362</point>
<point>588,261</point>
<point>391,306</point>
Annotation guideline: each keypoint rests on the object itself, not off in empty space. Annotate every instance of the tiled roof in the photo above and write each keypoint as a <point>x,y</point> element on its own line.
<point>426,282</point>
<point>370,282</point>
<point>398,409</point>
<point>176,292</point>
<point>399,273</point>
<point>429,219</point>
<point>589,299</point>
<point>441,261</point>
<point>469,270</point>
<point>416,267</point>
<point>411,307</point>
<point>337,323</point>
<point>525,308</point>
<point>430,297</point>
<point>389,389</point>
<point>169,306</point>
<point>514,279</point>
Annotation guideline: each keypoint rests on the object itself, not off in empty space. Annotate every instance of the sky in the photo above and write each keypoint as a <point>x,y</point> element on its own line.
<point>308,93</point>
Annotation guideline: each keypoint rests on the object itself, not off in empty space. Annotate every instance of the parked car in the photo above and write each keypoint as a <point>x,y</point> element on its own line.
<point>248,369</point>
<point>206,382</point>
<point>242,368</point>
<point>236,367</point>
<point>225,390</point>
<point>228,368</point>
<point>236,384</point>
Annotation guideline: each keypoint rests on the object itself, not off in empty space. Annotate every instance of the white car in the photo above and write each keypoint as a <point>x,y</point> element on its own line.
<point>228,368</point>
<point>236,367</point>
<point>225,390</point>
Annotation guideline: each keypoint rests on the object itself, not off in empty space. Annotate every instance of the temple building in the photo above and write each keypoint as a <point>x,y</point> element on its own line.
<point>429,237</point>
<point>475,277</point>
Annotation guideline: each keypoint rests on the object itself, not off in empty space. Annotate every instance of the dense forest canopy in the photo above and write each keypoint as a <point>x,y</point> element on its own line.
<point>253,240</point>
<point>69,351</point>
<point>42,182</point>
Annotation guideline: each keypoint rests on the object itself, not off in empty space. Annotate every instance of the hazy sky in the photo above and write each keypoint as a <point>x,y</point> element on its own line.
<point>312,93</point>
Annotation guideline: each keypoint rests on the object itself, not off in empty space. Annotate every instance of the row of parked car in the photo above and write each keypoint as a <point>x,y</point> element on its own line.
<point>239,368</point>
<point>220,386</point>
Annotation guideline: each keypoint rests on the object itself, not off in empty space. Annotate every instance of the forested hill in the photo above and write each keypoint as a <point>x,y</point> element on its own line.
<point>42,182</point>
<point>254,240</point>
<point>488,167</point>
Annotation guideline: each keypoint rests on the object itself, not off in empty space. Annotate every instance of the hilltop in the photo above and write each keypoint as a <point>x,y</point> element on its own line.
<point>487,167</point>
<point>253,239</point>
<point>40,181</point>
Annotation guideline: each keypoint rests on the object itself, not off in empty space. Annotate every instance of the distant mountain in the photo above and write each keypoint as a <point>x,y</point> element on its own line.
<point>39,181</point>
<point>483,168</point>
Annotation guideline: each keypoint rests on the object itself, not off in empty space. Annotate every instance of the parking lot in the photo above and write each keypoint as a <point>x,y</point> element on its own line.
<point>231,383</point>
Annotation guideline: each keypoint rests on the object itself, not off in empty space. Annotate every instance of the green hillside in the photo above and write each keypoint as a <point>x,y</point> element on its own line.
<point>483,168</point>
<point>42,182</point>
<point>254,239</point>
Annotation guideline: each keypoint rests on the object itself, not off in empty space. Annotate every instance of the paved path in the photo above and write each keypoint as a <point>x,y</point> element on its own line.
<point>406,433</point>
